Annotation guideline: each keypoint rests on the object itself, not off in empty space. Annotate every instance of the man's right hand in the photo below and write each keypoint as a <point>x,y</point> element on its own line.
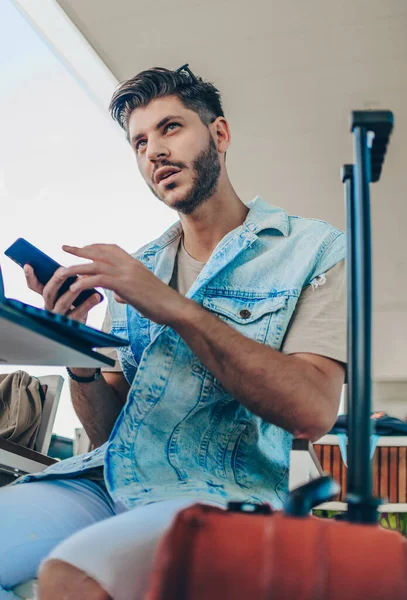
<point>62,306</point>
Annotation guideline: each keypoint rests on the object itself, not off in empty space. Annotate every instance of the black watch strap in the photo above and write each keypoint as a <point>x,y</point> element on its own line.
<point>96,375</point>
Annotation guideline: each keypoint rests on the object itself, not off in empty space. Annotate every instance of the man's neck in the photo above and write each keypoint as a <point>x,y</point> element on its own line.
<point>205,228</point>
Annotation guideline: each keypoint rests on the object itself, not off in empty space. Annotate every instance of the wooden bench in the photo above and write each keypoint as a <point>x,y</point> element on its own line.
<point>389,471</point>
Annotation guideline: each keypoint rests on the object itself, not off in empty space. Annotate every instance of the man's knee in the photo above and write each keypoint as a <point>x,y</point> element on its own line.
<point>58,579</point>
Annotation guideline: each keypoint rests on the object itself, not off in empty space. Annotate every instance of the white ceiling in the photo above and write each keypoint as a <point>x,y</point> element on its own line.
<point>290,73</point>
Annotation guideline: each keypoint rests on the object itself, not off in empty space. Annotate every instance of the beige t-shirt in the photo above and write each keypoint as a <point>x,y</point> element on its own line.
<point>318,324</point>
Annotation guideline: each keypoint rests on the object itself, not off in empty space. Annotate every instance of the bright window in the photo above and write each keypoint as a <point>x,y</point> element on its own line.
<point>67,175</point>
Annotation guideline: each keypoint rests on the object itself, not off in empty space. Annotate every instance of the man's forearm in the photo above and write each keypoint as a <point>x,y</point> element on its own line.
<point>96,405</point>
<point>283,390</point>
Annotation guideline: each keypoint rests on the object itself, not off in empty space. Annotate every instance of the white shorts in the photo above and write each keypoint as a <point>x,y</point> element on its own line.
<point>76,521</point>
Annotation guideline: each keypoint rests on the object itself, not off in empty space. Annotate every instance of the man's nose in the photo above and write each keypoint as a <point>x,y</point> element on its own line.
<point>156,152</point>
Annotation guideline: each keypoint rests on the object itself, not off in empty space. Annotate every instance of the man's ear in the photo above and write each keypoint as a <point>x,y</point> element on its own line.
<point>221,131</point>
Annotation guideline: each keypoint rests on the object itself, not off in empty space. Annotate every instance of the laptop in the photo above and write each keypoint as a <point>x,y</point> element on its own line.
<point>72,330</point>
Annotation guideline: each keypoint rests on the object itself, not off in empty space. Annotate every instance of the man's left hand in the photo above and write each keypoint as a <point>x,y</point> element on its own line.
<point>132,283</point>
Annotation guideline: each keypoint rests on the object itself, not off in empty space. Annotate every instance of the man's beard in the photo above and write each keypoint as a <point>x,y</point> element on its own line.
<point>206,168</point>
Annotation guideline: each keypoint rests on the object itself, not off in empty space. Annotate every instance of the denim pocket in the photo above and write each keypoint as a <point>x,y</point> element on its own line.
<point>255,318</point>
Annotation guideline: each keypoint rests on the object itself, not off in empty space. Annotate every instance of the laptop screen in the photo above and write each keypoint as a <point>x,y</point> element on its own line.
<point>1,286</point>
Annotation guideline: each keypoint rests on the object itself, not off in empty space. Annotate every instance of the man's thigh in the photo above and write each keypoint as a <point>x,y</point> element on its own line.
<point>118,553</point>
<point>36,516</point>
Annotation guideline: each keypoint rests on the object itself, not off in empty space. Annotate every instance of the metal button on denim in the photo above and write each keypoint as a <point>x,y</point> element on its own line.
<point>245,314</point>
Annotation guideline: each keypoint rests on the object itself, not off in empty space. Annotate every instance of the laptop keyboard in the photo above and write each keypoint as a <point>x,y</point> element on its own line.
<point>62,323</point>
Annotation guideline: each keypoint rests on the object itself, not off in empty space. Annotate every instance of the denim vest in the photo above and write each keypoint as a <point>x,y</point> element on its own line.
<point>180,432</point>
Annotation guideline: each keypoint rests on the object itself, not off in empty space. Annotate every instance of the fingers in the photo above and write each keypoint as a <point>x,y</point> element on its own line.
<point>64,303</point>
<point>89,282</point>
<point>92,268</point>
<point>32,281</point>
<point>80,312</point>
<point>51,289</point>
<point>119,299</point>
<point>103,252</point>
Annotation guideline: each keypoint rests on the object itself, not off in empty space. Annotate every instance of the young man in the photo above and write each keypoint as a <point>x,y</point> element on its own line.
<point>236,322</point>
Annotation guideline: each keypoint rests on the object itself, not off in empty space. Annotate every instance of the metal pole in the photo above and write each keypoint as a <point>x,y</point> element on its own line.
<point>361,505</point>
<point>348,179</point>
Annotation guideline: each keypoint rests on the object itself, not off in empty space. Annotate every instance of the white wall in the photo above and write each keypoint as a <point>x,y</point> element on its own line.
<point>290,73</point>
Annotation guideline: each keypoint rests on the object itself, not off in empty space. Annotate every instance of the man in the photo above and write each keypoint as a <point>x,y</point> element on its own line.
<point>236,323</point>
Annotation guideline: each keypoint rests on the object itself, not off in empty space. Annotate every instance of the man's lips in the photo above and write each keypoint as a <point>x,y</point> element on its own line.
<point>165,173</point>
<point>168,179</point>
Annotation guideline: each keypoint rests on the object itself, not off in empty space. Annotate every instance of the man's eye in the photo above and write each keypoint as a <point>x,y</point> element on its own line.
<point>138,144</point>
<point>171,125</point>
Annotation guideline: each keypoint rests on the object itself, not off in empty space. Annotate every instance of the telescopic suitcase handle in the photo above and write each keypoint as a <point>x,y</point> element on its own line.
<point>371,132</point>
<point>380,124</point>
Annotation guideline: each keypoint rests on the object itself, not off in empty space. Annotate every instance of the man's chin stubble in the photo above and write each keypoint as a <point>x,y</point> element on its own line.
<point>184,205</point>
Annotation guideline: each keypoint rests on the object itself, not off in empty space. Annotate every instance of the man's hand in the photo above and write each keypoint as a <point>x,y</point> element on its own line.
<point>131,282</point>
<point>62,305</point>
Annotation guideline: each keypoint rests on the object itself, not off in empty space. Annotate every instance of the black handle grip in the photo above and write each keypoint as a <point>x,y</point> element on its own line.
<point>380,123</point>
<point>301,500</point>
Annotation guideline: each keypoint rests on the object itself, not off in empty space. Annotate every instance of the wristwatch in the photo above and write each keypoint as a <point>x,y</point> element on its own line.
<point>96,375</point>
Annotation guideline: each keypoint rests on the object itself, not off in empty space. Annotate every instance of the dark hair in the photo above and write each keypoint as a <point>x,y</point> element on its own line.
<point>200,96</point>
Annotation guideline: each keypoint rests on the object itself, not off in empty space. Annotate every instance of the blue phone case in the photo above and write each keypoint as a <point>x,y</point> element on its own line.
<point>23,253</point>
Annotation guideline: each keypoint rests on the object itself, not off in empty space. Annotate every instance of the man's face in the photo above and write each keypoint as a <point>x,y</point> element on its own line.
<point>176,153</point>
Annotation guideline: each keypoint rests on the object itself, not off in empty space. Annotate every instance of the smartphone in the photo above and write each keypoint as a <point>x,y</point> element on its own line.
<point>23,253</point>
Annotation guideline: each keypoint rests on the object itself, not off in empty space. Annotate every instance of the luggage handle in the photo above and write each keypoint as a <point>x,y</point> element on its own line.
<point>303,499</point>
<point>371,131</point>
<point>379,123</point>
<point>300,501</point>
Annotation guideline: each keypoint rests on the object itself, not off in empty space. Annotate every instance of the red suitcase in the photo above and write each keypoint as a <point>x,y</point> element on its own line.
<point>249,551</point>
<point>214,554</point>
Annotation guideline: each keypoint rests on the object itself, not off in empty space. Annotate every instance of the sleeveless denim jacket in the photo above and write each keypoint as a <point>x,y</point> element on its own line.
<point>180,432</point>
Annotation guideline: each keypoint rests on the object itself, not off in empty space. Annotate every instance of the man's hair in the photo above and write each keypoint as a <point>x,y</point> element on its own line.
<point>200,96</point>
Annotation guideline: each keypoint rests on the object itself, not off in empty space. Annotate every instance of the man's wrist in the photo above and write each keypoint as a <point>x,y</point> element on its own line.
<point>186,315</point>
<point>89,379</point>
<point>95,376</point>
<point>83,371</point>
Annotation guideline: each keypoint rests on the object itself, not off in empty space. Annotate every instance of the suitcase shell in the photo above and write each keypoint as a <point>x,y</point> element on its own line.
<point>214,554</point>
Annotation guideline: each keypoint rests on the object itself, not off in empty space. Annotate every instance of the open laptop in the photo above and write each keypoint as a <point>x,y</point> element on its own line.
<point>59,324</point>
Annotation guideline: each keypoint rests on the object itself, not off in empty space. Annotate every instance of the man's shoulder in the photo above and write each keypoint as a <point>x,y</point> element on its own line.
<point>319,238</point>
<point>310,224</point>
<point>267,215</point>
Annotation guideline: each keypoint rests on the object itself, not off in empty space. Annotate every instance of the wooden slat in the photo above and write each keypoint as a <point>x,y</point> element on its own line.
<point>326,459</point>
<point>336,467</point>
<point>384,473</point>
<point>402,475</point>
<point>344,477</point>
<point>393,474</point>
<point>318,451</point>
<point>375,474</point>
<point>321,456</point>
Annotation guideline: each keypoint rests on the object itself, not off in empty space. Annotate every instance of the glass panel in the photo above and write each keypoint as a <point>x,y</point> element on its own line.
<point>67,175</point>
